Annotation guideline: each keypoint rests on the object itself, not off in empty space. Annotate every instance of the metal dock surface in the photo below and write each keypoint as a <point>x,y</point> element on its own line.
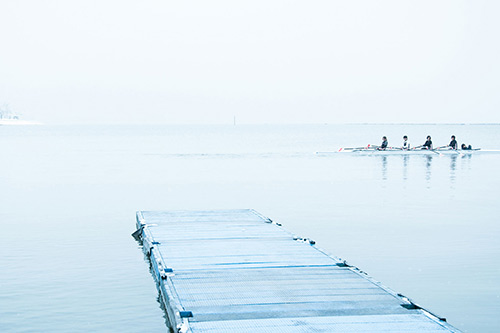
<point>237,271</point>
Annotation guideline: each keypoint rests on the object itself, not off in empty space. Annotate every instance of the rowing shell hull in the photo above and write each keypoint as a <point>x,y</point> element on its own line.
<point>410,152</point>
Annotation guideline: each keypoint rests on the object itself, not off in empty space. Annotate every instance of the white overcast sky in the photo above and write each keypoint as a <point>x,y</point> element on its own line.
<point>266,61</point>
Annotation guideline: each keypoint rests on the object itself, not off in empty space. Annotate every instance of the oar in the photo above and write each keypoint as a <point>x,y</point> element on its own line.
<point>368,147</point>
<point>434,151</point>
<point>352,148</point>
<point>450,148</point>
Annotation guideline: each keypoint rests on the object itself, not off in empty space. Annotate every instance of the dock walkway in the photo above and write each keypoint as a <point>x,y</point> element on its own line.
<point>237,271</point>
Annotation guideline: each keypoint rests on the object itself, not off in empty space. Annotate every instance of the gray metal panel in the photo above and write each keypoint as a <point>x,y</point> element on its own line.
<point>235,271</point>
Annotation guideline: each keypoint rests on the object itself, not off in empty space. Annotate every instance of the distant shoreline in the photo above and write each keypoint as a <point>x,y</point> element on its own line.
<point>464,124</point>
<point>16,122</point>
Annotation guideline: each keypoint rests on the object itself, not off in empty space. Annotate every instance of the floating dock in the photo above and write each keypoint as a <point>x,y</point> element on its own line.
<point>238,271</point>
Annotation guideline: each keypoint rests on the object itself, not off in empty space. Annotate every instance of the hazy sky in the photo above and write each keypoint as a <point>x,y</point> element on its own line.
<point>261,61</point>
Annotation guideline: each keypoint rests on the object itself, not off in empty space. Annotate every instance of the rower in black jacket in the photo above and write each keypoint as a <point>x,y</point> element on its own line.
<point>453,144</point>
<point>428,143</point>
<point>383,146</point>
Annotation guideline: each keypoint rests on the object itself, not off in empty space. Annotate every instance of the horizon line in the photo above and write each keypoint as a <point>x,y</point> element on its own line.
<point>252,123</point>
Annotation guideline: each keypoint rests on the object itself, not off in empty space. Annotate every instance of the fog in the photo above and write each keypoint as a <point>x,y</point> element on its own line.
<point>253,61</point>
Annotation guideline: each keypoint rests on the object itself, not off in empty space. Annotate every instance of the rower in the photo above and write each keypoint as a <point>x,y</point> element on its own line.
<point>453,144</point>
<point>383,146</point>
<point>428,143</point>
<point>465,147</point>
<point>406,143</point>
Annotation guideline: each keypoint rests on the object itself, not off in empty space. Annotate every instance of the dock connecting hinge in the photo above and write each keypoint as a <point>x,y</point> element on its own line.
<point>165,271</point>
<point>343,264</point>
<point>410,305</point>
<point>300,239</point>
<point>185,314</point>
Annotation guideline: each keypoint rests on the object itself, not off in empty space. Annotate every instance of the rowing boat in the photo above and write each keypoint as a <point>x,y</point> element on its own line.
<point>399,151</point>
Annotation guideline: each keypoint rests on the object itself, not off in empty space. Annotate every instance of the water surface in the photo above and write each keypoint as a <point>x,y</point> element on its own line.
<point>426,226</point>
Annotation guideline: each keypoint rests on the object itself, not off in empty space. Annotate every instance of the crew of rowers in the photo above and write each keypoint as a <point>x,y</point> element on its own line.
<point>427,145</point>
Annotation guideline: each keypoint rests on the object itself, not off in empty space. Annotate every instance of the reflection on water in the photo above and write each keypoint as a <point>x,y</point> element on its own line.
<point>406,160</point>
<point>428,170</point>
<point>453,168</point>
<point>384,168</point>
<point>429,161</point>
<point>467,159</point>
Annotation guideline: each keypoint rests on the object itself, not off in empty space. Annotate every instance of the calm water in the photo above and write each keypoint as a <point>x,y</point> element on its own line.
<point>426,226</point>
